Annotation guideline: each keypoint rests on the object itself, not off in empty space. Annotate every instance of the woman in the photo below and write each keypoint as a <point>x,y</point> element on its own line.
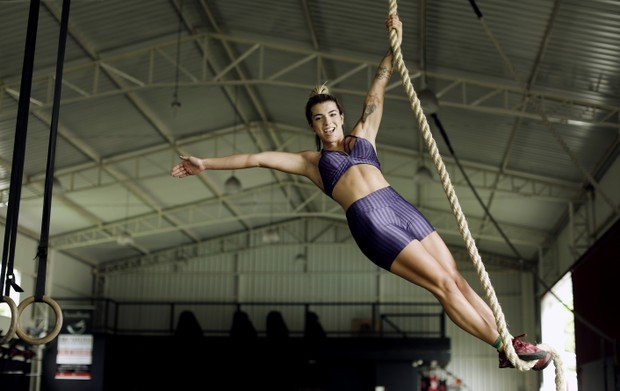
<point>390,231</point>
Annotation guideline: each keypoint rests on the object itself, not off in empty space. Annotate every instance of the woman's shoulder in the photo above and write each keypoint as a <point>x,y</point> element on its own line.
<point>309,153</point>
<point>311,157</point>
<point>363,137</point>
<point>365,133</point>
<point>311,171</point>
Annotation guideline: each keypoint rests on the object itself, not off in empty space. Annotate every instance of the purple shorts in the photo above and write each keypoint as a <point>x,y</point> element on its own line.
<point>383,223</point>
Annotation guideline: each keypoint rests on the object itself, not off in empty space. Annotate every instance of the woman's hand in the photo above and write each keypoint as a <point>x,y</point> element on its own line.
<point>393,22</point>
<point>189,165</point>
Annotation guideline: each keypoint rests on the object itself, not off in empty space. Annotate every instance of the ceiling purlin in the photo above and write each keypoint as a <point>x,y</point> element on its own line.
<point>249,90</point>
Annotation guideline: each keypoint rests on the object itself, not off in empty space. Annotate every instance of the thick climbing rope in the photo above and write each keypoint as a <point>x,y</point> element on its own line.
<point>460,217</point>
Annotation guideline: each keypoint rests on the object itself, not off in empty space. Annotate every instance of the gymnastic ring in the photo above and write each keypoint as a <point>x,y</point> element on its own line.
<point>11,332</point>
<point>51,335</point>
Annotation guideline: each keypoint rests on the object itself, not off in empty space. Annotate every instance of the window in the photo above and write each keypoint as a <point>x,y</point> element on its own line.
<point>555,317</point>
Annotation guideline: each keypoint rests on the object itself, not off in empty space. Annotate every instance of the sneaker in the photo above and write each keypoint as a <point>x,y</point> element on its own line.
<point>527,352</point>
<point>504,362</point>
<point>542,363</point>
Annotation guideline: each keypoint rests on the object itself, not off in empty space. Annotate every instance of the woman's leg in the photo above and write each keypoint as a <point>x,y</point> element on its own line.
<point>437,248</point>
<point>431,266</point>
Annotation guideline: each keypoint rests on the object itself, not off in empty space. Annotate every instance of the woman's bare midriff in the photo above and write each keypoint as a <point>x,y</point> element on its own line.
<point>359,181</point>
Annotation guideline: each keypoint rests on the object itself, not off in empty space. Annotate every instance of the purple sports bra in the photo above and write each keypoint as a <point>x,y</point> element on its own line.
<point>333,164</point>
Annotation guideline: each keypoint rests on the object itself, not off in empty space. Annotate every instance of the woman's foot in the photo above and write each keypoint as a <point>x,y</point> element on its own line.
<point>527,352</point>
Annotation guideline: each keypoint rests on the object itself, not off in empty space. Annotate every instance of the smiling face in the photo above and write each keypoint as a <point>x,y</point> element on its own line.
<point>326,121</point>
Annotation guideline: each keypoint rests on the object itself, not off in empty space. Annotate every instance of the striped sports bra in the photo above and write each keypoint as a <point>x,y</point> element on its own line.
<point>333,164</point>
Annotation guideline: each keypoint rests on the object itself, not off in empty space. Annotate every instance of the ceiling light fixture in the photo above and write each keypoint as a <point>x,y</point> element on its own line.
<point>428,101</point>
<point>124,237</point>
<point>176,103</point>
<point>430,105</point>
<point>423,176</point>
<point>57,186</point>
<point>271,236</point>
<point>233,184</point>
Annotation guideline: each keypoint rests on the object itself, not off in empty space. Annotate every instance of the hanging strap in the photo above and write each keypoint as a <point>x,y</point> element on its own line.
<point>51,156</point>
<point>39,295</point>
<point>7,278</point>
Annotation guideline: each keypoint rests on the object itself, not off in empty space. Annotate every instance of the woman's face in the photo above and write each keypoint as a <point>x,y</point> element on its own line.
<point>327,121</point>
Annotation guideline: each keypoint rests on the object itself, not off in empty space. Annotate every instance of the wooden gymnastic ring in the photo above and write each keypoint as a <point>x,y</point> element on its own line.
<point>11,332</point>
<point>51,335</point>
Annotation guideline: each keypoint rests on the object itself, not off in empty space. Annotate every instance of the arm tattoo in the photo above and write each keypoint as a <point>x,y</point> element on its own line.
<point>368,110</point>
<point>383,72</point>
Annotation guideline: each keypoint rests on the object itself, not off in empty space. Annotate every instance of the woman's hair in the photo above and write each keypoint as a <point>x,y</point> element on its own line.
<point>319,94</point>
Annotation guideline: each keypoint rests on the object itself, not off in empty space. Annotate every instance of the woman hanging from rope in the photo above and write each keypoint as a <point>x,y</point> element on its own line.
<point>389,230</point>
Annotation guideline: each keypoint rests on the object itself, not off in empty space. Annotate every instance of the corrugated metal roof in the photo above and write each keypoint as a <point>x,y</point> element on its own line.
<point>544,126</point>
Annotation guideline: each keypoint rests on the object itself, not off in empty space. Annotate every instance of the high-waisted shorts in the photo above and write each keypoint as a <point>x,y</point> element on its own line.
<point>383,223</point>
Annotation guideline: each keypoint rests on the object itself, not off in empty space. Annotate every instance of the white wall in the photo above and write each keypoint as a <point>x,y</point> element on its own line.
<point>334,273</point>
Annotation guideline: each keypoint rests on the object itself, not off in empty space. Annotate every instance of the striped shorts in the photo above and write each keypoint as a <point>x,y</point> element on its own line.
<point>383,223</point>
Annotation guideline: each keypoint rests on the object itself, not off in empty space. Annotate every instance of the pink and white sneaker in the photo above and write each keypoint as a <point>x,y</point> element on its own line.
<point>527,352</point>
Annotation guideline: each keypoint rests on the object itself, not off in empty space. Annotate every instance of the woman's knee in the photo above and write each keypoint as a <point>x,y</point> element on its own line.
<point>447,286</point>
<point>461,282</point>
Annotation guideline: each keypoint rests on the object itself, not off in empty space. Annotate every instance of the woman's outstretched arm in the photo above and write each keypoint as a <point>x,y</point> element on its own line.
<point>300,163</point>
<point>368,124</point>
